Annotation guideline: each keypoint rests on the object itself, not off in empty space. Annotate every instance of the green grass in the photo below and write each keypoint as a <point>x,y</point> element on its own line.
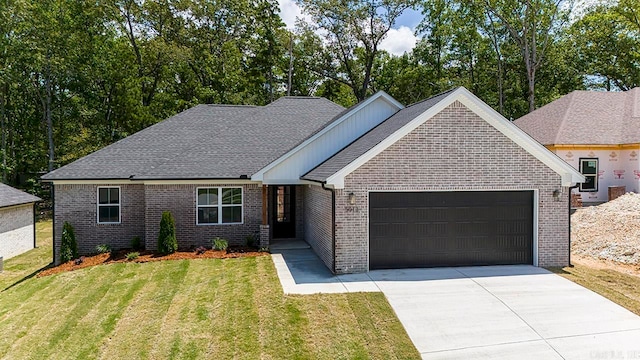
<point>187,309</point>
<point>623,289</point>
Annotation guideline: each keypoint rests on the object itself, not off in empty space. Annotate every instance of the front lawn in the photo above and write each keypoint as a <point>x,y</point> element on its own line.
<point>621,288</point>
<point>209,308</point>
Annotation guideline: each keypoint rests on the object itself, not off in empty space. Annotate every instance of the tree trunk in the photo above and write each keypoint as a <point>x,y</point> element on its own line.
<point>290,64</point>
<point>531,77</point>
<point>3,131</point>
<point>48,117</point>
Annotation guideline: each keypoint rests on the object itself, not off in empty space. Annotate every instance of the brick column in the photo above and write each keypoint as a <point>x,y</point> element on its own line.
<point>264,235</point>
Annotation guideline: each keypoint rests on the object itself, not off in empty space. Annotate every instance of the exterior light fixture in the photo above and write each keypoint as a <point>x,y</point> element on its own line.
<point>556,195</point>
<point>352,198</point>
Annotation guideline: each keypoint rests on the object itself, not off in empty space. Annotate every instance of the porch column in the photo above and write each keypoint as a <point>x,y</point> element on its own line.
<point>265,232</point>
<point>265,198</point>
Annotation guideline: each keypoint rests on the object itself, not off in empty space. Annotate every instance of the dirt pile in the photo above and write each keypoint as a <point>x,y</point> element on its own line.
<point>610,231</point>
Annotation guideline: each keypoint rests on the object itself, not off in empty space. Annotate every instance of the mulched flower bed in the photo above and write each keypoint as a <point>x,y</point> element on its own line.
<point>148,256</point>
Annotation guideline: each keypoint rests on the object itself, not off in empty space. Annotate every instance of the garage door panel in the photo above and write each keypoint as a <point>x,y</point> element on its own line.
<point>425,229</point>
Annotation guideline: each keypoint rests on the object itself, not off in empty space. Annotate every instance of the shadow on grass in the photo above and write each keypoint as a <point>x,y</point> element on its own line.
<point>558,270</point>
<point>50,265</point>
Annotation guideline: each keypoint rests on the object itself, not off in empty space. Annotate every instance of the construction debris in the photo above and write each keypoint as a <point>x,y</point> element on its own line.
<point>610,231</point>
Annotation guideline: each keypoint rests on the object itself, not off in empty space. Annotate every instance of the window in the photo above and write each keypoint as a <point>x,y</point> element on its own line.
<point>589,168</point>
<point>108,205</point>
<point>219,205</point>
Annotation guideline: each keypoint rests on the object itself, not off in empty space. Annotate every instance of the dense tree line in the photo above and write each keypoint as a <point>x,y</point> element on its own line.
<point>77,75</point>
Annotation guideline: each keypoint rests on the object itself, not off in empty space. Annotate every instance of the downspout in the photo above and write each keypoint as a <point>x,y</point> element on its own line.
<point>53,222</point>
<point>333,223</point>
<point>34,226</point>
<point>570,191</point>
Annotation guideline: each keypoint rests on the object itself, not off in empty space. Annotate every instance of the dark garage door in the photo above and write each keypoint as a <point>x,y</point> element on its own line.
<point>428,229</point>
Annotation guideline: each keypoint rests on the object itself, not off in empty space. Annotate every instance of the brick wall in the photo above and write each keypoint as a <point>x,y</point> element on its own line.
<point>300,212</point>
<point>318,222</point>
<point>181,201</point>
<point>455,150</point>
<point>16,230</point>
<point>77,204</point>
<point>615,192</point>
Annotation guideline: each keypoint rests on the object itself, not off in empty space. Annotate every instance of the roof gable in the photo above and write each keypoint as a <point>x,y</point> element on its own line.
<point>334,170</point>
<point>326,141</point>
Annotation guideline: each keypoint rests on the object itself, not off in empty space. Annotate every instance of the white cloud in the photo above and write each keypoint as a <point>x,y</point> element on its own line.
<point>289,11</point>
<point>396,42</point>
<point>399,41</point>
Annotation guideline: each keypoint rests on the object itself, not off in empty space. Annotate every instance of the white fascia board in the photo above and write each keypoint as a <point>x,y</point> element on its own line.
<point>568,174</point>
<point>154,182</point>
<point>259,176</point>
<point>337,179</point>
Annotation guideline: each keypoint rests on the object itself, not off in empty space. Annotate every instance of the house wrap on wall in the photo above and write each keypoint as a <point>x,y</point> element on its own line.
<point>444,182</point>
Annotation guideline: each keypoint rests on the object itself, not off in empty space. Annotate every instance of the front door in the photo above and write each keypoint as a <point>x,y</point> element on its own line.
<point>284,213</point>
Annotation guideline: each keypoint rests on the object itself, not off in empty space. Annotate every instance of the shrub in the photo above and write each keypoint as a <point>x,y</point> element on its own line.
<point>201,250</point>
<point>250,240</point>
<point>132,255</point>
<point>264,249</point>
<point>103,249</point>
<point>167,242</point>
<point>68,244</point>
<point>219,244</point>
<point>136,243</point>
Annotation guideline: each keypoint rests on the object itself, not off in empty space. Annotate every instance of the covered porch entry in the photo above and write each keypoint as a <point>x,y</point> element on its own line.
<point>282,214</point>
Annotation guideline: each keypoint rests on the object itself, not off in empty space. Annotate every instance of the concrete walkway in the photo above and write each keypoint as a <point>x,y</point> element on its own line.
<point>494,312</point>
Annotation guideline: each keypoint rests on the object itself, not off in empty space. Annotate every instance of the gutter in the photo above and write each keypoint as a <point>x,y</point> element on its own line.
<point>53,221</point>
<point>333,223</point>
<point>570,191</point>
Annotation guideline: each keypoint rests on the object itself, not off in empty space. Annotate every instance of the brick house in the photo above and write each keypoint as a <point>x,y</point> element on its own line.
<point>596,132</point>
<point>443,182</point>
<point>17,221</point>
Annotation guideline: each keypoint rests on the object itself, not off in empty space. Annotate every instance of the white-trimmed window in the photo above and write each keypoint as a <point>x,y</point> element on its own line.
<point>219,205</point>
<point>589,168</point>
<point>108,205</point>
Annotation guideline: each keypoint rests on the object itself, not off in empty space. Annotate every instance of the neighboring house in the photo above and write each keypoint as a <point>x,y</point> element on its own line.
<point>446,181</point>
<point>17,221</point>
<point>596,132</point>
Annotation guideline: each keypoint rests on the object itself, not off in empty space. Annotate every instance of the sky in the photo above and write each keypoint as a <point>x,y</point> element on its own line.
<point>399,39</point>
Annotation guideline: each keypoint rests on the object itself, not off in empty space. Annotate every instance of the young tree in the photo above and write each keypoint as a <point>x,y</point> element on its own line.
<point>352,31</point>
<point>532,25</point>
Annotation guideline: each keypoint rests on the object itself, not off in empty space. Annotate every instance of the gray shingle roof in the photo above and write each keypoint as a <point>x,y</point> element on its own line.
<point>10,196</point>
<point>586,118</point>
<point>372,138</point>
<point>207,142</point>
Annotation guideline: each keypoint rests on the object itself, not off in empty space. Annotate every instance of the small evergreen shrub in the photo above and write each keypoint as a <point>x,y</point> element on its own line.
<point>132,255</point>
<point>136,243</point>
<point>167,242</point>
<point>68,244</point>
<point>219,244</point>
<point>103,249</point>
<point>250,240</point>
<point>264,249</point>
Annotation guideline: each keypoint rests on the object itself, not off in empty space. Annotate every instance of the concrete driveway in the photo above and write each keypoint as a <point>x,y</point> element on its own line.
<point>494,312</point>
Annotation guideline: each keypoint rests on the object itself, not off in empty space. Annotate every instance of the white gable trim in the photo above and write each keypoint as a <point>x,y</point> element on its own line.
<point>259,176</point>
<point>567,172</point>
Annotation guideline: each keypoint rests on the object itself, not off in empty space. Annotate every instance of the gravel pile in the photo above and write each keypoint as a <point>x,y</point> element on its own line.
<point>610,231</point>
